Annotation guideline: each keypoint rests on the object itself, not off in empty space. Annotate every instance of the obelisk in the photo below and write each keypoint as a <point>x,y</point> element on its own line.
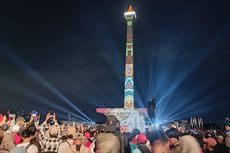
<point>129,84</point>
<point>132,118</point>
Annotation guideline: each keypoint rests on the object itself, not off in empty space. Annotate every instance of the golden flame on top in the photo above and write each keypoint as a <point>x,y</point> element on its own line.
<point>130,8</point>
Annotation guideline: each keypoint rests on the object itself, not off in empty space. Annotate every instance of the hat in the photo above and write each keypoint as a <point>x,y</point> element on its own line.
<point>77,135</point>
<point>18,150</point>
<point>142,138</point>
<point>87,135</point>
<point>53,130</point>
<point>71,130</point>
<point>101,128</point>
<point>111,123</point>
<point>220,137</point>
<point>15,128</point>
<point>210,141</point>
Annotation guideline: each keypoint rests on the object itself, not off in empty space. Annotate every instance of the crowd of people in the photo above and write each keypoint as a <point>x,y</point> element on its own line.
<point>51,136</point>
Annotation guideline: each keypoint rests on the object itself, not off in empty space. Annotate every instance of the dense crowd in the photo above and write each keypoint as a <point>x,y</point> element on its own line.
<point>51,136</point>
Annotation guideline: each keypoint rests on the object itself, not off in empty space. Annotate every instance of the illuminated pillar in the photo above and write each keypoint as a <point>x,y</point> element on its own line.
<point>129,117</point>
<point>130,16</point>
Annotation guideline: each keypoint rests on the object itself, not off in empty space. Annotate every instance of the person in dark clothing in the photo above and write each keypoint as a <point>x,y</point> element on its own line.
<point>141,143</point>
<point>111,126</point>
<point>220,147</point>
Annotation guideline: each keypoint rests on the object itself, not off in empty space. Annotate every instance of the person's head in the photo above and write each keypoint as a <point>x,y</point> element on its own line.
<point>64,135</point>
<point>136,132</point>
<point>107,143</point>
<point>158,135</point>
<point>227,127</point>
<point>27,135</point>
<point>20,121</point>
<point>100,128</point>
<point>220,139</point>
<point>111,124</point>
<point>33,129</point>
<point>173,136</point>
<point>181,130</point>
<point>159,146</point>
<point>87,135</point>
<point>53,131</point>
<point>71,131</point>
<point>15,129</point>
<point>172,133</point>
<point>78,138</point>
<point>142,139</point>
<point>210,143</point>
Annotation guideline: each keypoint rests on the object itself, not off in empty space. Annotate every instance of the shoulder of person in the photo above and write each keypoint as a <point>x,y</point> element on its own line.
<point>33,148</point>
<point>64,143</point>
<point>84,149</point>
<point>71,149</point>
<point>106,135</point>
<point>187,138</point>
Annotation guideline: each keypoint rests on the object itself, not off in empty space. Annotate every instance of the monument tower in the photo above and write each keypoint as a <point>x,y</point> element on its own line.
<point>129,116</point>
<point>129,84</point>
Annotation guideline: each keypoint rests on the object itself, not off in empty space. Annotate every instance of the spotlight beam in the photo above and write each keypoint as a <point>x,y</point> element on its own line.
<point>37,76</point>
<point>8,84</point>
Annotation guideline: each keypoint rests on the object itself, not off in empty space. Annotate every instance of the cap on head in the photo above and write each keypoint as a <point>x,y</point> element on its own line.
<point>220,137</point>
<point>211,141</point>
<point>111,123</point>
<point>15,128</point>
<point>142,138</point>
<point>87,135</point>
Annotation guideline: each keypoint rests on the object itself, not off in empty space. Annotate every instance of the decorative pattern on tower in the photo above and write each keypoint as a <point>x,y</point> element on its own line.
<point>130,16</point>
<point>130,118</point>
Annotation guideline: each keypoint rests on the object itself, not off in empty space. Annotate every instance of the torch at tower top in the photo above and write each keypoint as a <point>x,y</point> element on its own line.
<point>130,14</point>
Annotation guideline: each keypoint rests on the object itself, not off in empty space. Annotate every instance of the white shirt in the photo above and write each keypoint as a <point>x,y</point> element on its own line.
<point>31,149</point>
<point>65,145</point>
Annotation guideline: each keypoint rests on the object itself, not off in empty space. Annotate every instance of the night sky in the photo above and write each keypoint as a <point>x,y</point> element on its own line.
<point>69,56</point>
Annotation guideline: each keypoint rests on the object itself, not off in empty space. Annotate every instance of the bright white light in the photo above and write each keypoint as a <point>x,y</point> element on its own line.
<point>130,13</point>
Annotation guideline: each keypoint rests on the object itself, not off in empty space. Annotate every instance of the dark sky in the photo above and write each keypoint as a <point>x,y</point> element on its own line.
<point>69,56</point>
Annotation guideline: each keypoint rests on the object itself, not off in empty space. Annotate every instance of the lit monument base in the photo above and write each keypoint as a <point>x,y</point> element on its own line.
<point>129,118</point>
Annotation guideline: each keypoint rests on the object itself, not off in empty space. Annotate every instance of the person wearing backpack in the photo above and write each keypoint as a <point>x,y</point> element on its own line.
<point>26,143</point>
<point>112,126</point>
<point>66,144</point>
<point>78,146</point>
